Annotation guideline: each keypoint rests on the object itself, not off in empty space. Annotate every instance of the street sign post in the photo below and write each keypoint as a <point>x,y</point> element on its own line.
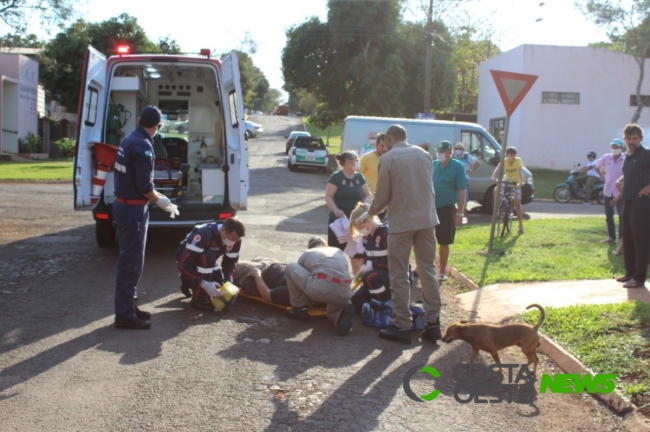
<point>512,88</point>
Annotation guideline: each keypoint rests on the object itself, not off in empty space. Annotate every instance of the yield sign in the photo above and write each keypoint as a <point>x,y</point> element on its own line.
<point>512,88</point>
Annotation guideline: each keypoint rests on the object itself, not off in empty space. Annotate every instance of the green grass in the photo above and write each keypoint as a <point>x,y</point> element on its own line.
<point>545,181</point>
<point>335,135</point>
<point>611,338</point>
<point>551,249</point>
<point>36,171</point>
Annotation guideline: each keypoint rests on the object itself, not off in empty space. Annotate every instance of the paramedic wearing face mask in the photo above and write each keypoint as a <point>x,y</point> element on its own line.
<point>133,190</point>
<point>449,184</point>
<point>470,163</point>
<point>370,145</point>
<point>197,258</point>
<point>613,164</point>
<point>345,188</point>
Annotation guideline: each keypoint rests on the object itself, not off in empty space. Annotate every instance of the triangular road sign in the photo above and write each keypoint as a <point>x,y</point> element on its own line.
<point>512,88</point>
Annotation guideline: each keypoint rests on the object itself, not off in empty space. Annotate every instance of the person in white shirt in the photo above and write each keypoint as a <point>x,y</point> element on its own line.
<point>592,176</point>
<point>370,145</point>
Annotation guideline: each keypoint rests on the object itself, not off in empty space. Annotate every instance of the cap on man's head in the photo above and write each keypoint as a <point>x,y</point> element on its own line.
<point>443,146</point>
<point>460,145</point>
<point>315,242</point>
<point>150,116</point>
<point>617,142</point>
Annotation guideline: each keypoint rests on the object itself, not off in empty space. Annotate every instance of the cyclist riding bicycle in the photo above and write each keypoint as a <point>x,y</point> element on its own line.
<point>513,174</point>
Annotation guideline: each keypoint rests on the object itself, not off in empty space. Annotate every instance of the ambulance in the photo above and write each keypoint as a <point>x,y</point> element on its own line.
<point>201,152</point>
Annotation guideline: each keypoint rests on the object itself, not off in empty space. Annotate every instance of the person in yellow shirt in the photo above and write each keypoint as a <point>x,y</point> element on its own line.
<point>513,174</point>
<point>369,162</point>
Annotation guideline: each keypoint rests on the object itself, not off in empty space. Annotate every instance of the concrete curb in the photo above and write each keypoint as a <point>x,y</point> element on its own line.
<point>635,419</point>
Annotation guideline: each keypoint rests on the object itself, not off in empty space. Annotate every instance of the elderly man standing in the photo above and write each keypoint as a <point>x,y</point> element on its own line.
<point>636,214</point>
<point>449,184</point>
<point>405,186</point>
<point>321,275</point>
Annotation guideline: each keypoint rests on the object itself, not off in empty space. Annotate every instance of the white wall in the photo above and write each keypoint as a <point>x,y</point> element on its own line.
<point>557,136</point>
<point>28,97</point>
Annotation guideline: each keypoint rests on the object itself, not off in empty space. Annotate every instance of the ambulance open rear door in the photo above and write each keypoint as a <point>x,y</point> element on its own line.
<point>90,120</point>
<point>237,150</point>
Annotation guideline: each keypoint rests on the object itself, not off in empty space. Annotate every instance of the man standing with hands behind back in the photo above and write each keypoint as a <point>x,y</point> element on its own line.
<point>134,189</point>
<point>405,186</point>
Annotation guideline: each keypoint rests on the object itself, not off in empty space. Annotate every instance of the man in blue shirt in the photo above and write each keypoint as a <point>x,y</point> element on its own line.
<point>449,184</point>
<point>134,189</point>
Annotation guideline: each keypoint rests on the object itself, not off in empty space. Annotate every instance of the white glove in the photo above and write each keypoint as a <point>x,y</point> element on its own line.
<point>368,266</point>
<point>211,288</point>
<point>165,204</point>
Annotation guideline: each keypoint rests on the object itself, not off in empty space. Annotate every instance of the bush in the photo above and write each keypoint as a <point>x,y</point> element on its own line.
<point>66,146</point>
<point>30,144</point>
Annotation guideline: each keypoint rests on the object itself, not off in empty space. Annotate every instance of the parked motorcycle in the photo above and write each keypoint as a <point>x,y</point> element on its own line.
<point>573,188</point>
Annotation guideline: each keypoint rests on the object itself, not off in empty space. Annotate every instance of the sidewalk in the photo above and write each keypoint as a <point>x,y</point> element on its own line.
<point>499,302</point>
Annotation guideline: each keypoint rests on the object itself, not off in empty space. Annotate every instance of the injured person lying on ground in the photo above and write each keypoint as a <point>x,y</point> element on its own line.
<point>264,278</point>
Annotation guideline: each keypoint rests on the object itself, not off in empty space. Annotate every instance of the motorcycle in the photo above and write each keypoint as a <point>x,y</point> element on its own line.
<point>574,188</point>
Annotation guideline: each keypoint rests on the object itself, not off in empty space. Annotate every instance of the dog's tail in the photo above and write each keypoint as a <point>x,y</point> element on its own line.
<point>542,319</point>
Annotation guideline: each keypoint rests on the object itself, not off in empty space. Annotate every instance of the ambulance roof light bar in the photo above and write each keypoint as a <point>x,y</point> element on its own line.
<point>123,49</point>
<point>205,52</point>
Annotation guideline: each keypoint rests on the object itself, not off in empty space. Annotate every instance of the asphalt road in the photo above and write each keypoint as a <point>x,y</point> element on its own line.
<point>64,367</point>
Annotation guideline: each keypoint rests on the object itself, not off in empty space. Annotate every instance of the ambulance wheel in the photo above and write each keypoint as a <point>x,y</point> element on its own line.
<point>105,234</point>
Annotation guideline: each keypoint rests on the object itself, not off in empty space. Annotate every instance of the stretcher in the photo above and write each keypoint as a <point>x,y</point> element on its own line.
<point>167,180</point>
<point>313,312</point>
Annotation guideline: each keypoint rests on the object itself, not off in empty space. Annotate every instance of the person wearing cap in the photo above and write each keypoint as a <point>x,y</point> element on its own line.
<point>197,256</point>
<point>449,184</point>
<point>513,167</point>
<point>134,189</point>
<point>404,186</point>
<point>321,275</point>
<point>592,176</point>
<point>370,145</point>
<point>613,165</point>
<point>470,163</point>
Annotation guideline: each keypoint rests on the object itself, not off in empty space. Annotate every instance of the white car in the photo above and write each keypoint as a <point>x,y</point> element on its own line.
<point>308,152</point>
<point>253,129</point>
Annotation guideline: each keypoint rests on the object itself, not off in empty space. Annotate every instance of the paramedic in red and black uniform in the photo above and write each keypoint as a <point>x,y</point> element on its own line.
<point>375,279</point>
<point>197,258</point>
<point>133,190</point>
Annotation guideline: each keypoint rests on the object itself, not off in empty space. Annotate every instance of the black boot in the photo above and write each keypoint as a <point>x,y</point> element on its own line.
<point>142,314</point>
<point>298,313</point>
<point>344,326</point>
<point>394,334</point>
<point>432,332</point>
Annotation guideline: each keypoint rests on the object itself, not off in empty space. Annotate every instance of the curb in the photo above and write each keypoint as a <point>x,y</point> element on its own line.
<point>635,418</point>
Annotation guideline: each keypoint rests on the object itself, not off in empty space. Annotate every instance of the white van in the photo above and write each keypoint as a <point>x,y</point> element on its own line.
<point>478,142</point>
<point>204,168</point>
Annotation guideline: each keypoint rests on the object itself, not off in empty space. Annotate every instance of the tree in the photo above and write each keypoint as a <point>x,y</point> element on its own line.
<point>17,40</point>
<point>15,13</point>
<point>62,58</point>
<point>627,25</point>
<point>324,119</point>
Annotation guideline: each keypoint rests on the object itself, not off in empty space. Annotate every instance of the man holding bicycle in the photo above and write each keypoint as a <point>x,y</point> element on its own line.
<point>513,173</point>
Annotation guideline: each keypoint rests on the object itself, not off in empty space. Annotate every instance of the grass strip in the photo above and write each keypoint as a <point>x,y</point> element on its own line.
<point>550,249</point>
<point>35,171</point>
<point>609,338</point>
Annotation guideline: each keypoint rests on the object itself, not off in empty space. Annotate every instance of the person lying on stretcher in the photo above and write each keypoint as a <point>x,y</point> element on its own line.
<point>263,277</point>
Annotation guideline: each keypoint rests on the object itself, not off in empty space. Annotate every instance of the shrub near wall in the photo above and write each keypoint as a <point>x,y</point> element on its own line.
<point>31,147</point>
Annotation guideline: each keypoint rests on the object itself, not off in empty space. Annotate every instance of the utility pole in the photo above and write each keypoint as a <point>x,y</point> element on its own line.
<point>427,74</point>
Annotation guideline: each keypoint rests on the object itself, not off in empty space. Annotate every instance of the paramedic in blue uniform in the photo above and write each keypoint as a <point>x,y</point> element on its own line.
<point>197,258</point>
<point>134,189</point>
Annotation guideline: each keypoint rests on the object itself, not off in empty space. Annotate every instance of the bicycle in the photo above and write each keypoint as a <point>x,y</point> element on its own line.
<point>506,207</point>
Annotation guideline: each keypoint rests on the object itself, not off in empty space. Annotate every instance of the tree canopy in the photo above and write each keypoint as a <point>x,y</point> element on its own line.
<point>16,13</point>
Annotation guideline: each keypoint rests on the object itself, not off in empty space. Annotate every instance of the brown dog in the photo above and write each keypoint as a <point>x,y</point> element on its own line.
<point>492,338</point>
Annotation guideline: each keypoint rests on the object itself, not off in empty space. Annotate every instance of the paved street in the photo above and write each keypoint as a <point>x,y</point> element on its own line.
<point>64,367</point>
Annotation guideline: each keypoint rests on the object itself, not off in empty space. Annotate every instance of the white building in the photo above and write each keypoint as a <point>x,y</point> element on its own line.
<point>583,98</point>
<point>21,103</point>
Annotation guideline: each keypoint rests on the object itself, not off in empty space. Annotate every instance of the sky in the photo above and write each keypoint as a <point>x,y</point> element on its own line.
<point>221,24</point>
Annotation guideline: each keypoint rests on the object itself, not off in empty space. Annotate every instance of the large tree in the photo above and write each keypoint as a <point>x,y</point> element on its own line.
<point>62,58</point>
<point>18,40</point>
<point>16,13</point>
<point>628,26</point>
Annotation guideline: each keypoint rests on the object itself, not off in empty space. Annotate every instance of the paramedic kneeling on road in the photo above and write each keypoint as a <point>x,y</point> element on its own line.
<point>133,190</point>
<point>321,275</point>
<point>197,258</point>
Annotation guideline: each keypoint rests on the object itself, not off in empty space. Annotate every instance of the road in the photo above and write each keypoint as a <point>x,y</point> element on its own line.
<point>64,367</point>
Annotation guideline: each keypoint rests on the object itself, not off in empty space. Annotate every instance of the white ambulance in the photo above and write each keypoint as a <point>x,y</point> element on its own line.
<point>201,153</point>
